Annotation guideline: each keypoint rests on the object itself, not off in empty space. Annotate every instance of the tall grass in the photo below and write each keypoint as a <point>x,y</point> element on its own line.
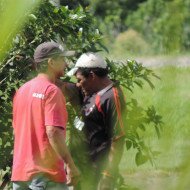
<point>171,98</point>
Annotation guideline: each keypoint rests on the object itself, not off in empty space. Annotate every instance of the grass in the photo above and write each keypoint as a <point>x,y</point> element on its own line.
<point>171,98</point>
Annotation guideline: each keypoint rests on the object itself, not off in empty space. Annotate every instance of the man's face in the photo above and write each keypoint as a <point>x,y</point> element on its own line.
<point>59,66</point>
<point>85,83</point>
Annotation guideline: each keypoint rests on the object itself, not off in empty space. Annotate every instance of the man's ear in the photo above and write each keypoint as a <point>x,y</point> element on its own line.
<point>92,74</point>
<point>50,62</point>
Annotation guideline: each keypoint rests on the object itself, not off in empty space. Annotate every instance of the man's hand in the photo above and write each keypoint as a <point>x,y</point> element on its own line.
<point>106,183</point>
<point>73,176</point>
<point>57,141</point>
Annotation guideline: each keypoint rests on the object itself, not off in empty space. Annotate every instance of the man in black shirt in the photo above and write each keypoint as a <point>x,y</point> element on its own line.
<point>102,108</point>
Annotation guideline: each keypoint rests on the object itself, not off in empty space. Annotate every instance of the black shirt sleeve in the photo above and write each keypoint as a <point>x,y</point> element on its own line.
<point>114,109</point>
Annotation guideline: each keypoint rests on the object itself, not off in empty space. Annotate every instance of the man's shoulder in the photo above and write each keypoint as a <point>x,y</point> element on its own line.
<point>112,95</point>
<point>39,85</point>
<point>109,93</point>
<point>26,85</point>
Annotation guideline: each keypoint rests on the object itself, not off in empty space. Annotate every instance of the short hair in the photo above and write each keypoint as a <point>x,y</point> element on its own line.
<point>100,72</point>
<point>42,66</point>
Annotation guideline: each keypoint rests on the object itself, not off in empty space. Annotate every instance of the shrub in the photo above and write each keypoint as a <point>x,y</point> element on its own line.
<point>130,42</point>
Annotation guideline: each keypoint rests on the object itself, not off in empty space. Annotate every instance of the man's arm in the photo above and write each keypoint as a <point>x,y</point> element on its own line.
<point>115,111</point>
<point>114,157</point>
<point>57,141</point>
<point>110,171</point>
<point>71,92</point>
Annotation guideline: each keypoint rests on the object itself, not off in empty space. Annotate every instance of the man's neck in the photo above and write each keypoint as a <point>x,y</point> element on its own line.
<point>103,83</point>
<point>48,75</point>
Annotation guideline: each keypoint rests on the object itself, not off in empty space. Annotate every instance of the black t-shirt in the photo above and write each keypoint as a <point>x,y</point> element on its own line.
<point>100,116</point>
<point>101,121</point>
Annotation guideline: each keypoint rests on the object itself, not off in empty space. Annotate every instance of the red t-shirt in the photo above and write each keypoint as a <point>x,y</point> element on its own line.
<point>37,103</point>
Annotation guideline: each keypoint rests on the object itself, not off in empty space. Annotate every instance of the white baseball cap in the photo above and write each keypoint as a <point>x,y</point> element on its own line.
<point>88,60</point>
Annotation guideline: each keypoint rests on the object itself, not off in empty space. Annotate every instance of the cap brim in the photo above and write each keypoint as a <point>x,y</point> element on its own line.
<point>72,72</point>
<point>68,53</point>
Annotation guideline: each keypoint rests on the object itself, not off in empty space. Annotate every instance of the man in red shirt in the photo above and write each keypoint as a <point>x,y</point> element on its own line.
<point>39,122</point>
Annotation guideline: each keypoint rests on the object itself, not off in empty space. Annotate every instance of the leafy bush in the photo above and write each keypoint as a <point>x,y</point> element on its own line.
<point>77,29</point>
<point>130,43</point>
<point>162,23</point>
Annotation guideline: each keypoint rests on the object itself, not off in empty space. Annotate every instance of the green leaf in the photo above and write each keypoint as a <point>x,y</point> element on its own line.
<point>7,144</point>
<point>1,142</point>
<point>140,158</point>
<point>142,127</point>
<point>128,144</point>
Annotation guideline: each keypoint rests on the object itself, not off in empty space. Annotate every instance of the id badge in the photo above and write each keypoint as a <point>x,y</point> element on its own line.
<point>78,123</point>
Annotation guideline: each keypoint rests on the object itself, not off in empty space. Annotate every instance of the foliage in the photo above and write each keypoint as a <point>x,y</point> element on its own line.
<point>11,22</point>
<point>162,25</point>
<point>186,26</point>
<point>130,42</point>
<point>76,28</point>
<point>170,97</point>
<point>114,13</point>
<point>103,9</point>
<point>138,118</point>
<point>110,15</point>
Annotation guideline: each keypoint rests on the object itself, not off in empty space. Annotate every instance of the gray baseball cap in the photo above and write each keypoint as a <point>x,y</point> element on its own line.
<point>49,49</point>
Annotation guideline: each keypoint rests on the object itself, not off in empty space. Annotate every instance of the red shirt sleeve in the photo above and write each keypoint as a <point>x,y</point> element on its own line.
<point>55,109</point>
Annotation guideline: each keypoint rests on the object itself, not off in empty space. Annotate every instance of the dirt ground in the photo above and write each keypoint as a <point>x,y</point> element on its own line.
<point>179,61</point>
